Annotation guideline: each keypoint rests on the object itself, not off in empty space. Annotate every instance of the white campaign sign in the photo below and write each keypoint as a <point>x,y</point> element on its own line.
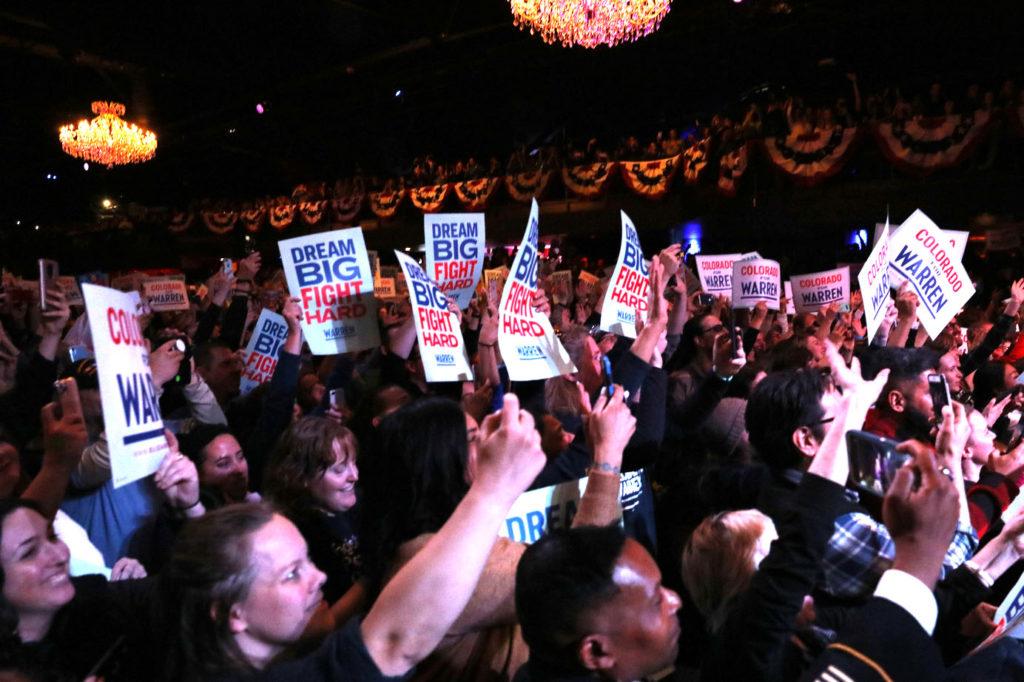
<point>527,341</point>
<point>957,245</point>
<point>628,289</point>
<point>263,349</point>
<point>816,290</point>
<point>455,252</point>
<point>560,284</point>
<point>442,349</point>
<point>165,293</point>
<point>716,273</point>
<point>921,254</point>
<point>756,280</point>
<point>329,272</point>
<point>131,409</point>
<point>873,279</point>
<point>537,512</point>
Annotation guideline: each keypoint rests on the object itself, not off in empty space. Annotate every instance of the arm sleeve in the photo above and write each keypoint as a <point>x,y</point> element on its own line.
<point>275,415</point>
<point>202,403</point>
<point>757,629</point>
<point>234,321</point>
<point>995,336</point>
<point>207,322</point>
<point>988,498</point>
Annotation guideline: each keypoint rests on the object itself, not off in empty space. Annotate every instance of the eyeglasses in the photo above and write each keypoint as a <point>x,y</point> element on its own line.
<point>715,328</point>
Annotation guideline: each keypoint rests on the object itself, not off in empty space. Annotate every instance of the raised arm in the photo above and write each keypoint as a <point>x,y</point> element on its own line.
<point>419,605</point>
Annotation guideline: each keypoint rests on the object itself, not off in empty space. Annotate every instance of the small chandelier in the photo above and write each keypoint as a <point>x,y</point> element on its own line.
<point>108,139</point>
<point>589,23</point>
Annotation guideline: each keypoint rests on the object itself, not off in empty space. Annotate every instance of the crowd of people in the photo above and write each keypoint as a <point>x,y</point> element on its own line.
<point>341,520</point>
<point>766,113</point>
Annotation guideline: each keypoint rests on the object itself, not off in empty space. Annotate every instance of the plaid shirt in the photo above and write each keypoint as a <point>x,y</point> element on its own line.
<point>861,549</point>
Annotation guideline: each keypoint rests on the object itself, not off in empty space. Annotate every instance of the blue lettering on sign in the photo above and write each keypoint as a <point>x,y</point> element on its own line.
<point>426,294</point>
<point>526,269</point>
<point>323,250</point>
<point>138,398</point>
<point>340,332</point>
<point>534,524</point>
<point>529,353</point>
<point>445,360</point>
<point>454,249</point>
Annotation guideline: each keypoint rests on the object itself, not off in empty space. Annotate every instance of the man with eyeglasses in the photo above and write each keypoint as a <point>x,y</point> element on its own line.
<point>787,417</point>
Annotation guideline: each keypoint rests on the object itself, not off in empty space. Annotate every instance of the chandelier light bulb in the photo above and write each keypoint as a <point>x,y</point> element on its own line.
<point>108,139</point>
<point>589,23</point>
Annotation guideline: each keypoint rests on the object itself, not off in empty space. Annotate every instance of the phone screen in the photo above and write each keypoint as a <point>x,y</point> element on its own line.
<point>873,461</point>
<point>48,273</point>
<point>939,390</point>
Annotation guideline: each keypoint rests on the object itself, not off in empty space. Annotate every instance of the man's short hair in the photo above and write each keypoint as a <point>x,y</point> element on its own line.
<point>780,404</point>
<point>204,351</point>
<point>905,365</point>
<point>560,578</point>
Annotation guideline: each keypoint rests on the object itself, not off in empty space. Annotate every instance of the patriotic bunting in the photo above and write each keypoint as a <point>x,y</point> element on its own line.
<point>312,212</point>
<point>220,222</point>
<point>428,199</point>
<point>588,181</point>
<point>926,144</point>
<point>180,221</point>
<point>651,179</point>
<point>385,204</point>
<point>252,217</point>
<point>345,209</point>
<point>476,194</point>
<point>525,186</point>
<point>695,160</point>
<point>810,158</point>
<point>282,213</point>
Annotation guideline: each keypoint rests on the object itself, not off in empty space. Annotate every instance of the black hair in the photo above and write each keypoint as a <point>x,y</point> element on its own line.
<point>195,441</point>
<point>790,354</point>
<point>561,577</point>
<point>687,349</point>
<point>989,382</point>
<point>778,406</point>
<point>8,616</point>
<point>204,351</point>
<point>905,366</point>
<point>414,478</point>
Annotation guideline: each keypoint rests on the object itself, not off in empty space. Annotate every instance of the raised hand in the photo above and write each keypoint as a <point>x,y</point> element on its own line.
<point>609,426</point>
<point>906,303</point>
<point>249,266</point>
<point>510,454</point>
<point>177,478</point>
<point>164,361</point>
<point>64,431</point>
<point>726,361</point>
<point>669,257</point>
<point>994,410</point>
<point>57,312</point>
<point>921,521</point>
<point>541,303</point>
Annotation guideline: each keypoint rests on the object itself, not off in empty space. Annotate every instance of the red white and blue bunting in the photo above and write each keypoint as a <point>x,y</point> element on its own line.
<point>385,204</point>
<point>528,185</point>
<point>923,145</point>
<point>810,158</point>
<point>476,194</point>
<point>590,180</point>
<point>650,179</point>
<point>430,198</point>
<point>695,160</point>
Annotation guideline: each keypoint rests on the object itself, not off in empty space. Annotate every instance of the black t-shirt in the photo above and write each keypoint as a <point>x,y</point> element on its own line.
<point>342,656</point>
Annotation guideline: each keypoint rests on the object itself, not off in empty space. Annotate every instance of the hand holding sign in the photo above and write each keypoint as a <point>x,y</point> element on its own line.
<point>177,478</point>
<point>510,454</point>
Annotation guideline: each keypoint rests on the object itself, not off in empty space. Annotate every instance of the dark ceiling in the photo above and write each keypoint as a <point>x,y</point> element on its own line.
<point>470,83</point>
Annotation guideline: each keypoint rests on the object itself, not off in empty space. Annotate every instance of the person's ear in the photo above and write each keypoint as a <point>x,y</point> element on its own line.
<point>595,653</point>
<point>804,441</point>
<point>237,622</point>
<point>895,400</point>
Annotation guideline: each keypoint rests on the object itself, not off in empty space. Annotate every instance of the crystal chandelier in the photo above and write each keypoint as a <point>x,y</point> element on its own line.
<point>108,139</point>
<point>589,23</point>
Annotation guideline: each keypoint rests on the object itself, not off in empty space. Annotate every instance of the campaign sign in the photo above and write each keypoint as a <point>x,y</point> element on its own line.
<point>527,341</point>
<point>72,292</point>
<point>264,347</point>
<point>921,254</point>
<point>165,294</point>
<point>754,281</point>
<point>588,282</point>
<point>455,252</point>
<point>131,409</point>
<point>560,283</point>
<point>716,273</point>
<point>957,245</point>
<point>629,287</point>
<point>788,292</point>
<point>537,512</point>
<point>873,279</point>
<point>329,272</point>
<point>816,290</point>
<point>442,349</point>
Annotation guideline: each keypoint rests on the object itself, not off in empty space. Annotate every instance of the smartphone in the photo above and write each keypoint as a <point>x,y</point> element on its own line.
<point>873,461</point>
<point>734,339</point>
<point>76,353</point>
<point>228,266</point>
<point>609,385</point>
<point>336,396</point>
<point>48,273</point>
<point>939,390</point>
<point>706,299</point>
